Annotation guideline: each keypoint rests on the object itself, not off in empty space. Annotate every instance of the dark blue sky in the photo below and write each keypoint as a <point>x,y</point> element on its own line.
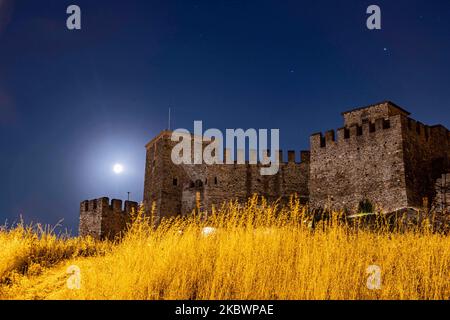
<point>72,103</point>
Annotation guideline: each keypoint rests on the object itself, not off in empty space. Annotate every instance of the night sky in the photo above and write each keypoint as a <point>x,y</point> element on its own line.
<point>73,103</point>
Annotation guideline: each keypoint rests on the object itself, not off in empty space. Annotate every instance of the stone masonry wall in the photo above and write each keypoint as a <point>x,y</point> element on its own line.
<point>392,161</point>
<point>102,220</point>
<point>427,156</point>
<point>241,181</point>
<point>175,189</point>
<point>362,162</point>
<point>371,113</point>
<point>442,200</point>
<point>160,188</point>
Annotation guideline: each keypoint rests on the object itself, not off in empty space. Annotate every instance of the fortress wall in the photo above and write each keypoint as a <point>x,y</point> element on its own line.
<point>378,146</point>
<point>359,162</point>
<point>226,183</point>
<point>91,217</point>
<point>193,184</point>
<point>116,219</point>
<point>294,178</point>
<point>442,200</point>
<point>380,155</point>
<point>427,156</point>
<point>174,189</point>
<point>241,181</point>
<point>102,220</point>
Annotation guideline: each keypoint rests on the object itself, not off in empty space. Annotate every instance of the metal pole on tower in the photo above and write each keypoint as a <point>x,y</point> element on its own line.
<point>169,120</point>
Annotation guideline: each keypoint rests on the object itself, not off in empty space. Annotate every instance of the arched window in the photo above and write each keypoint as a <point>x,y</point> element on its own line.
<point>198,183</point>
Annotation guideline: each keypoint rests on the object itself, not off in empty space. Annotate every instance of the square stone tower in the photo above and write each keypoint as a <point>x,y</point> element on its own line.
<point>380,155</point>
<point>163,179</point>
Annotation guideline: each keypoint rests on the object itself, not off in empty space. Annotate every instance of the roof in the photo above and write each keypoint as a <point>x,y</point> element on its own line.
<point>376,104</point>
<point>168,133</point>
<point>161,134</point>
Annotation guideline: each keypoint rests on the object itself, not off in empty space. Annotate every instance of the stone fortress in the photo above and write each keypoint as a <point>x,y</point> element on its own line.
<point>380,155</point>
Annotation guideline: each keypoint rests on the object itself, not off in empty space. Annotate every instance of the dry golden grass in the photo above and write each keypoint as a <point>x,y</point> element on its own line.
<point>257,252</point>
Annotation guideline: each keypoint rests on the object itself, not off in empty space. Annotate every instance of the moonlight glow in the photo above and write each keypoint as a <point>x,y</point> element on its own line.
<point>118,168</point>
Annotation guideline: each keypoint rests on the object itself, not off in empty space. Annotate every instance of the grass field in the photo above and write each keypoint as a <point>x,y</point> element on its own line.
<point>257,251</point>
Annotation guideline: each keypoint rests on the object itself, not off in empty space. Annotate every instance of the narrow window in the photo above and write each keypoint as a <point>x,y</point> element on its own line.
<point>346,133</point>
<point>198,183</point>
<point>359,131</point>
<point>215,180</point>
<point>175,181</point>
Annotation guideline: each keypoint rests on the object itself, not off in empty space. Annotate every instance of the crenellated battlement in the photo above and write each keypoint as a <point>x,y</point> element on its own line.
<point>293,157</point>
<point>104,204</point>
<point>365,130</point>
<point>428,133</point>
<point>370,129</point>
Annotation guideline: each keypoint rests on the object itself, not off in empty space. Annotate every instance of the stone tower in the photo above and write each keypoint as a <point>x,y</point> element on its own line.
<point>163,179</point>
<point>380,155</point>
<point>103,220</point>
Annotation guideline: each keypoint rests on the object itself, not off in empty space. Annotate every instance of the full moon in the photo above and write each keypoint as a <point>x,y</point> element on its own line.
<point>118,168</point>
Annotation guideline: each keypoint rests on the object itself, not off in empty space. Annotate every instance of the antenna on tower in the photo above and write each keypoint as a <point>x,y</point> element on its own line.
<point>169,121</point>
